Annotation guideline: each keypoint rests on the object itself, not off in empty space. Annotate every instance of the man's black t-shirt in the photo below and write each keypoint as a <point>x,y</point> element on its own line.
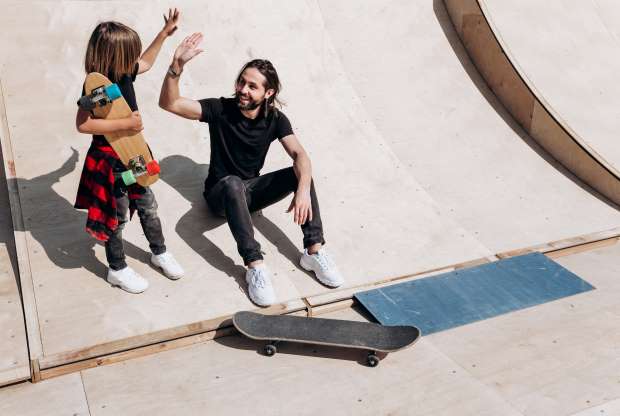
<point>239,145</point>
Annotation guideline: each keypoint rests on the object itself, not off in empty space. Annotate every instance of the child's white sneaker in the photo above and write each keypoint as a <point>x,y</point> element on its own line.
<point>128,280</point>
<point>168,264</point>
<point>323,267</point>
<point>259,285</point>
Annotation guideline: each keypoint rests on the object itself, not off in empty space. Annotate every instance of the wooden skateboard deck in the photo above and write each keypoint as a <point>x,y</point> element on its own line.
<point>333,332</point>
<point>131,148</point>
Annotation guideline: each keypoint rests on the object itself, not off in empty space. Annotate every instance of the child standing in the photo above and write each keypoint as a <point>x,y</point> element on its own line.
<point>114,50</point>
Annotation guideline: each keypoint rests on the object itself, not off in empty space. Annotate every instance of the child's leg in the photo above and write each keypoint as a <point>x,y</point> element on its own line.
<point>151,224</point>
<point>114,246</point>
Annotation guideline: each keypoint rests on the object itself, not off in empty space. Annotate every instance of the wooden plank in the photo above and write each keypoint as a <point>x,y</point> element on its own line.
<point>21,244</point>
<point>496,69</point>
<point>333,307</point>
<point>581,248</point>
<point>225,329</point>
<point>583,240</point>
<point>137,352</point>
<point>163,336</point>
<point>14,361</point>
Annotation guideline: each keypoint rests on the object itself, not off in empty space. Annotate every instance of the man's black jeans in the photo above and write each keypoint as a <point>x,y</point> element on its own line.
<point>146,206</point>
<point>234,198</point>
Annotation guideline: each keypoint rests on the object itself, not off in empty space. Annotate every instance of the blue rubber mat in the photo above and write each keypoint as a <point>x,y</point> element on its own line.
<point>457,298</point>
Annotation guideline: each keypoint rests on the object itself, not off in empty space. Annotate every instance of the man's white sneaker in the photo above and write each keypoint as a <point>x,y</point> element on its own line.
<point>259,285</point>
<point>128,280</point>
<point>323,267</point>
<point>168,264</point>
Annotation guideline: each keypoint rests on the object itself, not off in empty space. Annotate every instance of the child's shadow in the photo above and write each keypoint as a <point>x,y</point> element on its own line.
<point>58,226</point>
<point>187,177</point>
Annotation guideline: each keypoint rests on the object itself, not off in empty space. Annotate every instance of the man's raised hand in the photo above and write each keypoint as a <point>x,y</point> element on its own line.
<point>188,49</point>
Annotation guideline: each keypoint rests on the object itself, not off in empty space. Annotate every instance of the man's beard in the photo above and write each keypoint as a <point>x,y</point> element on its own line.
<point>251,105</point>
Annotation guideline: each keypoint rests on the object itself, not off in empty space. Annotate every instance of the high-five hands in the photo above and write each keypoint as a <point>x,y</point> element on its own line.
<point>188,49</point>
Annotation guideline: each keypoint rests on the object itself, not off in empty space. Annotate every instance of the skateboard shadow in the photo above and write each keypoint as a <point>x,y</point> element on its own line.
<point>240,342</point>
<point>58,227</point>
<point>187,177</point>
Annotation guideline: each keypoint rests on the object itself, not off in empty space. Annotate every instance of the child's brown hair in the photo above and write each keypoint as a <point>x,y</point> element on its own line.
<point>113,50</point>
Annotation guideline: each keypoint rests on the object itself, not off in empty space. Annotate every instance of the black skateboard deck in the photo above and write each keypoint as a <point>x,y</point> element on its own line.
<point>333,332</point>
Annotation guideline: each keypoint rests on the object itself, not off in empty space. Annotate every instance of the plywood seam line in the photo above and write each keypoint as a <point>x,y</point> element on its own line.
<point>603,21</point>
<point>474,378</point>
<point>308,306</point>
<point>85,393</point>
<point>24,272</point>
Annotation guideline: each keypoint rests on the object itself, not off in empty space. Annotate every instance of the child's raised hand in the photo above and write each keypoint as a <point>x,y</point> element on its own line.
<point>188,48</point>
<point>171,21</point>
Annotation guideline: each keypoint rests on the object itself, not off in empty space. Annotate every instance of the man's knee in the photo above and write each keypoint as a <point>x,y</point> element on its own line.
<point>232,187</point>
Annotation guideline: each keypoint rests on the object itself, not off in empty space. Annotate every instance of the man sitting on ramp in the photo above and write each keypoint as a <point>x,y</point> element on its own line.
<point>242,129</point>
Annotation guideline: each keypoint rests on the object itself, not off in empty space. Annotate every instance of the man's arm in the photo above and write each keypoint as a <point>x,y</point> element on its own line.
<point>170,98</point>
<point>301,203</point>
<point>150,54</point>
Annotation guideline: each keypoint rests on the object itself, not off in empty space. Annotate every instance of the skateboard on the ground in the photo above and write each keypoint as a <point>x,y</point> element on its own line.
<point>105,101</point>
<point>333,332</point>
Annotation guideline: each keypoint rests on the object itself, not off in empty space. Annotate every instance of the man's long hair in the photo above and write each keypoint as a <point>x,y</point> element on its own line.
<point>272,82</point>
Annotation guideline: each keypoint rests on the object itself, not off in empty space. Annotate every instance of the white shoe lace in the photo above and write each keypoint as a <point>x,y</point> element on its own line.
<point>165,259</point>
<point>258,278</point>
<point>324,260</point>
<point>129,276</point>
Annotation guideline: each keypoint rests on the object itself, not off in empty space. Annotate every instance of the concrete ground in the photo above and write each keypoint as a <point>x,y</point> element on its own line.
<point>418,167</point>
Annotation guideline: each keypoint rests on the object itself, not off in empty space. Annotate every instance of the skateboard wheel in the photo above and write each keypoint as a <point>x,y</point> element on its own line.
<point>86,103</point>
<point>270,350</point>
<point>128,178</point>
<point>153,168</point>
<point>372,360</point>
<point>113,92</point>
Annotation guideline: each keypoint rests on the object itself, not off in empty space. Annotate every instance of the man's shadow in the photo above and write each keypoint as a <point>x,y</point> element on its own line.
<point>59,227</point>
<point>187,177</point>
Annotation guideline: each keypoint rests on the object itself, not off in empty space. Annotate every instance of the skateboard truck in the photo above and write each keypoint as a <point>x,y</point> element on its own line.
<point>272,347</point>
<point>138,167</point>
<point>100,96</point>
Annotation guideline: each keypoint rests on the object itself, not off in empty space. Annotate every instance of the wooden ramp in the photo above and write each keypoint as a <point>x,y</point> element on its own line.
<point>400,193</point>
<point>553,66</point>
<point>73,314</point>
<point>14,363</point>
<point>448,128</point>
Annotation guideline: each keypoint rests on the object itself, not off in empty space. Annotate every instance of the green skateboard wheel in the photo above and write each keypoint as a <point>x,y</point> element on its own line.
<point>128,178</point>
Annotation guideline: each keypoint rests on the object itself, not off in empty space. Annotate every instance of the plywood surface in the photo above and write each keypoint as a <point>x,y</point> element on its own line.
<point>569,54</point>
<point>439,117</point>
<point>364,190</point>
